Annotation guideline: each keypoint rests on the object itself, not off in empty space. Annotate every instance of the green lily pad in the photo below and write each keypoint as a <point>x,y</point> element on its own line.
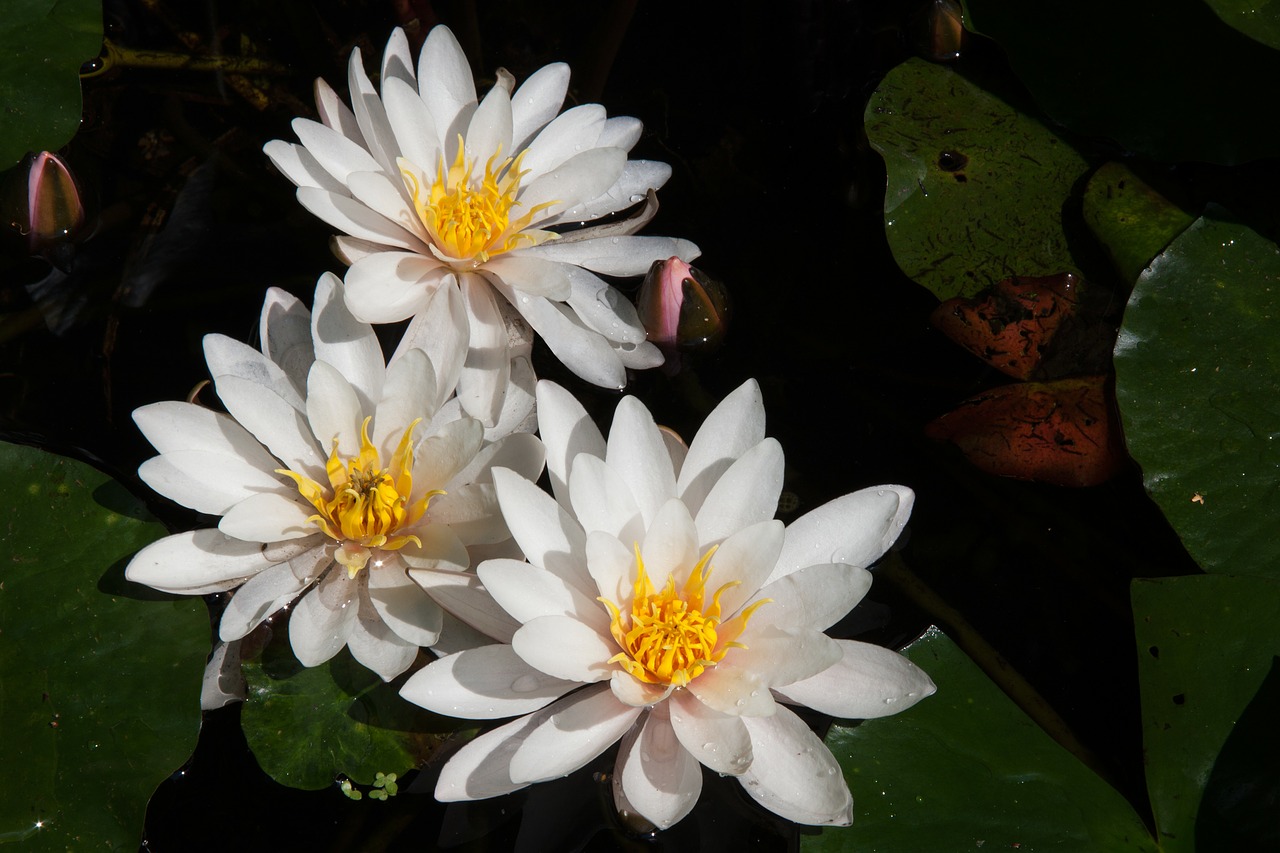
<point>310,726</point>
<point>976,183</point>
<point>1198,382</point>
<point>43,43</point>
<point>1171,80</point>
<point>966,769</point>
<point>1207,660</point>
<point>1130,218</point>
<point>99,691</point>
<point>1260,21</point>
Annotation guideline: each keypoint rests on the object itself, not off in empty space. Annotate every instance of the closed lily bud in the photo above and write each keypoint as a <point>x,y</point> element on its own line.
<point>682,307</point>
<point>42,202</point>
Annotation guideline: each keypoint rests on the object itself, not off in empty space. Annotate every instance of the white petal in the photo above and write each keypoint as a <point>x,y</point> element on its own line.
<point>733,427</point>
<point>793,774</point>
<point>222,475</point>
<point>371,118</point>
<point>612,566</point>
<point>637,178</point>
<point>641,356</point>
<point>347,344</point>
<point>566,648</point>
<point>333,409</point>
<point>377,647</point>
<point>571,132</point>
<point>584,351</point>
<point>620,132</point>
<point>354,218</point>
<point>196,562</point>
<point>720,741</point>
<point>549,536</point>
<point>413,124</point>
<point>521,452</point>
<point>397,60</point>
<point>486,371</point>
<point>382,194</point>
<point>335,114</point>
<point>439,457</point>
<point>566,431</point>
<point>318,632</point>
<point>227,357</point>
<point>338,155</point>
<point>490,129</point>
<point>269,517</point>
<point>660,779</point>
<point>580,727</point>
<point>581,178</point>
<point>867,682</point>
<point>637,452</point>
<point>734,690</point>
<point>285,332</point>
<point>300,166</point>
<point>482,768</point>
<point>462,594</point>
<point>602,307</point>
<point>517,415</point>
<point>392,286</point>
<point>746,494</point>
<point>815,596</point>
<point>441,330</point>
<point>527,592</point>
<point>262,595</point>
<point>457,636</point>
<point>530,276</point>
<point>671,547</point>
<point>403,605</point>
<point>780,657</point>
<point>274,422</point>
<point>537,101</point>
<point>471,512</point>
<point>407,395</point>
<point>440,549</point>
<point>173,427</point>
<point>747,556</point>
<point>616,255</point>
<point>630,690</point>
<point>855,529</point>
<point>602,501</point>
<point>211,498</point>
<point>445,81</point>
<point>487,683</point>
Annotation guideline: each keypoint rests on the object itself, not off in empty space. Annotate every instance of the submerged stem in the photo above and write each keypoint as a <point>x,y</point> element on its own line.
<point>894,569</point>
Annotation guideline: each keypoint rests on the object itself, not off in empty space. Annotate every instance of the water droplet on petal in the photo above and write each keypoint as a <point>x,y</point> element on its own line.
<point>525,684</point>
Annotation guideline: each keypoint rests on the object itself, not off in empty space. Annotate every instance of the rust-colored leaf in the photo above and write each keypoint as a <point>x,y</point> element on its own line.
<point>1062,432</point>
<point>1030,328</point>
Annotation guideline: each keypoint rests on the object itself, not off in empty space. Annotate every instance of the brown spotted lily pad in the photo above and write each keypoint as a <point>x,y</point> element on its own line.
<point>1062,432</point>
<point>1031,328</point>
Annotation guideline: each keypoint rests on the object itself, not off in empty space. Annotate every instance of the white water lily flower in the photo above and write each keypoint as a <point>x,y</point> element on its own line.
<point>663,606</point>
<point>333,474</point>
<point>451,203</point>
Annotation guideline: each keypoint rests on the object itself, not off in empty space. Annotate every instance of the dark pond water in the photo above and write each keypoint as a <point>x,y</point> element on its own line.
<point>758,109</point>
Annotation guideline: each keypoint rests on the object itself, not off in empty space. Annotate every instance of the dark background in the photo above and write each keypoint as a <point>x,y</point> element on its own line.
<point>758,108</point>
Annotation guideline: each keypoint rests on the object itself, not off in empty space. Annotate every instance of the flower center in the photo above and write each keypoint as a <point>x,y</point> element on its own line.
<point>470,219</point>
<point>669,636</point>
<point>366,505</point>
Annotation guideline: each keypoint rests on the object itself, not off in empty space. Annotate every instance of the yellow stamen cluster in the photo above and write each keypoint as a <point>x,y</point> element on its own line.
<point>671,637</point>
<point>366,505</point>
<point>469,222</point>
